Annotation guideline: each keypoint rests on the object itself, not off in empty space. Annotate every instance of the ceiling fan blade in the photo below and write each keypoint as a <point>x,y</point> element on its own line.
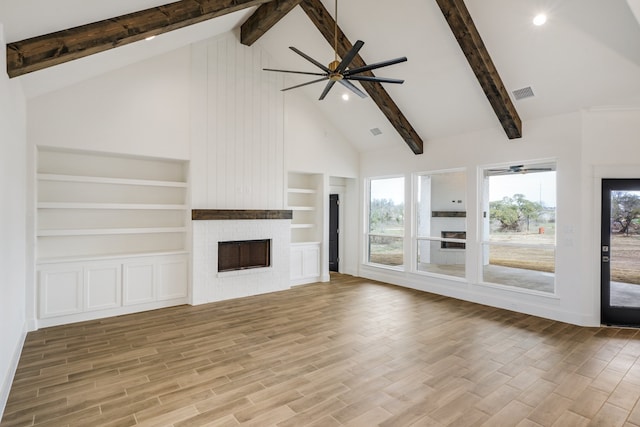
<point>304,84</point>
<point>327,88</point>
<point>310,59</point>
<point>353,88</point>
<point>375,66</point>
<point>349,56</point>
<point>497,172</point>
<point>375,79</point>
<point>295,72</point>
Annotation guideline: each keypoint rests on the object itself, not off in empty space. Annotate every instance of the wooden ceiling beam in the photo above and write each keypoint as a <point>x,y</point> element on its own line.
<point>265,17</point>
<point>321,18</point>
<point>56,48</point>
<point>465,31</point>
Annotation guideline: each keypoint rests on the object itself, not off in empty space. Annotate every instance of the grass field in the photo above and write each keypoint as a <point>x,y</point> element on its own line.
<point>625,255</point>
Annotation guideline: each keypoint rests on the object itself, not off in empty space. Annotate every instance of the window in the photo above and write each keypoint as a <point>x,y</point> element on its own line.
<point>441,223</point>
<point>386,222</point>
<point>519,222</point>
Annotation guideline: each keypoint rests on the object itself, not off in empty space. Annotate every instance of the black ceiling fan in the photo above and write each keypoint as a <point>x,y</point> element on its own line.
<point>522,169</point>
<point>339,71</point>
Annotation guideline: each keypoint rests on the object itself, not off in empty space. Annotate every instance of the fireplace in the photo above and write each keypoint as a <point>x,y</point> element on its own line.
<point>243,278</point>
<point>244,254</point>
<point>453,235</point>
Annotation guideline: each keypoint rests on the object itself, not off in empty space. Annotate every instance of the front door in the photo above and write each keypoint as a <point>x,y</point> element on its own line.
<point>620,252</point>
<point>334,232</point>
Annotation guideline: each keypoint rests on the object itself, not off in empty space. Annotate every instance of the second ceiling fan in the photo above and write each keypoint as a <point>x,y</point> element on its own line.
<point>339,71</point>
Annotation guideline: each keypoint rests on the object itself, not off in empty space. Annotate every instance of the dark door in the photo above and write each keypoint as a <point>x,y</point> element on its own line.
<point>620,252</point>
<point>334,231</point>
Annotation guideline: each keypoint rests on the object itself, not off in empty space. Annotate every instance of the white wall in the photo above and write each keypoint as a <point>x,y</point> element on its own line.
<point>557,138</point>
<point>142,109</point>
<point>13,214</point>
<point>313,144</point>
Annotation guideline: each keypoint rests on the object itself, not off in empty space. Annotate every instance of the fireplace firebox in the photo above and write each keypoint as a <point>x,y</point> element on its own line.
<point>453,235</point>
<point>244,254</point>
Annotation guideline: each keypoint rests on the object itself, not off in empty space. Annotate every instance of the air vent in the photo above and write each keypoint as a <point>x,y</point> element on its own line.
<point>376,131</point>
<point>525,92</point>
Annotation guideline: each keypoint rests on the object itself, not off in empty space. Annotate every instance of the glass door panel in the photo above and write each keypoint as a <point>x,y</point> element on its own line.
<point>620,251</point>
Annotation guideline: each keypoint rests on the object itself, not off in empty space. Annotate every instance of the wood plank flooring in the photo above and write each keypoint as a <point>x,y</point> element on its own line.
<point>348,353</point>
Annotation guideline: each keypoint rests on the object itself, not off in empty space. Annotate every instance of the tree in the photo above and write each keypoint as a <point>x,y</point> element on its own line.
<point>625,210</point>
<point>383,213</point>
<point>513,212</point>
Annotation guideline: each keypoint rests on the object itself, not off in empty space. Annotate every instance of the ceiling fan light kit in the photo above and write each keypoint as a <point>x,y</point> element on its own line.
<point>339,71</point>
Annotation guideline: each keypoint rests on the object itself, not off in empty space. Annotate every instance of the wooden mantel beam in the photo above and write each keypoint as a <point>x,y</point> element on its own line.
<point>326,25</point>
<point>265,17</point>
<point>56,48</point>
<point>465,31</point>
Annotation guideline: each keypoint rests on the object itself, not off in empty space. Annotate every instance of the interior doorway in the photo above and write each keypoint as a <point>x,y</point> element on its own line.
<point>334,232</point>
<point>620,252</point>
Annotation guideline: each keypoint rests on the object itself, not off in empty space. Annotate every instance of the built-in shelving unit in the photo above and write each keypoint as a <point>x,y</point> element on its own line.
<point>92,204</point>
<point>304,199</point>
<point>104,220</point>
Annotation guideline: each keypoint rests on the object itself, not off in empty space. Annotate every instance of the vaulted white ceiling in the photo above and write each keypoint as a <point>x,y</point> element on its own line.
<point>586,56</point>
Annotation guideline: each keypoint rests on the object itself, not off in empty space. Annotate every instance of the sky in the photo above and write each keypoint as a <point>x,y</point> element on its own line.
<point>536,187</point>
<point>388,188</point>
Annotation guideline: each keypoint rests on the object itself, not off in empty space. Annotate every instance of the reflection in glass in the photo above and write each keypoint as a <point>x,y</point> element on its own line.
<point>441,223</point>
<point>625,249</point>
<point>441,257</point>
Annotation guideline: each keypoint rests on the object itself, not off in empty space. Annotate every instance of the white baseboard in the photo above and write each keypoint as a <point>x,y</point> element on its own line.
<point>8,380</point>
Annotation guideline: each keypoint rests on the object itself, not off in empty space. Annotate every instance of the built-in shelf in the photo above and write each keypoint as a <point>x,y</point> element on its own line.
<point>303,225</point>
<point>132,206</point>
<point>108,231</point>
<point>105,180</point>
<point>302,190</point>
<point>302,208</point>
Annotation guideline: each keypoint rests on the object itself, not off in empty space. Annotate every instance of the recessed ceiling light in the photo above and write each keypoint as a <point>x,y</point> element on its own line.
<point>150,38</point>
<point>540,19</point>
<point>345,96</point>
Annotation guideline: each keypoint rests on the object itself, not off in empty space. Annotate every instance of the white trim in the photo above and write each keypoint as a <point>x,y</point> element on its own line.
<point>504,298</point>
<point>11,372</point>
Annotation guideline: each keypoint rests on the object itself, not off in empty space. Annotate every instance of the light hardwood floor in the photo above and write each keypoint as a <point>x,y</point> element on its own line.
<point>349,353</point>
